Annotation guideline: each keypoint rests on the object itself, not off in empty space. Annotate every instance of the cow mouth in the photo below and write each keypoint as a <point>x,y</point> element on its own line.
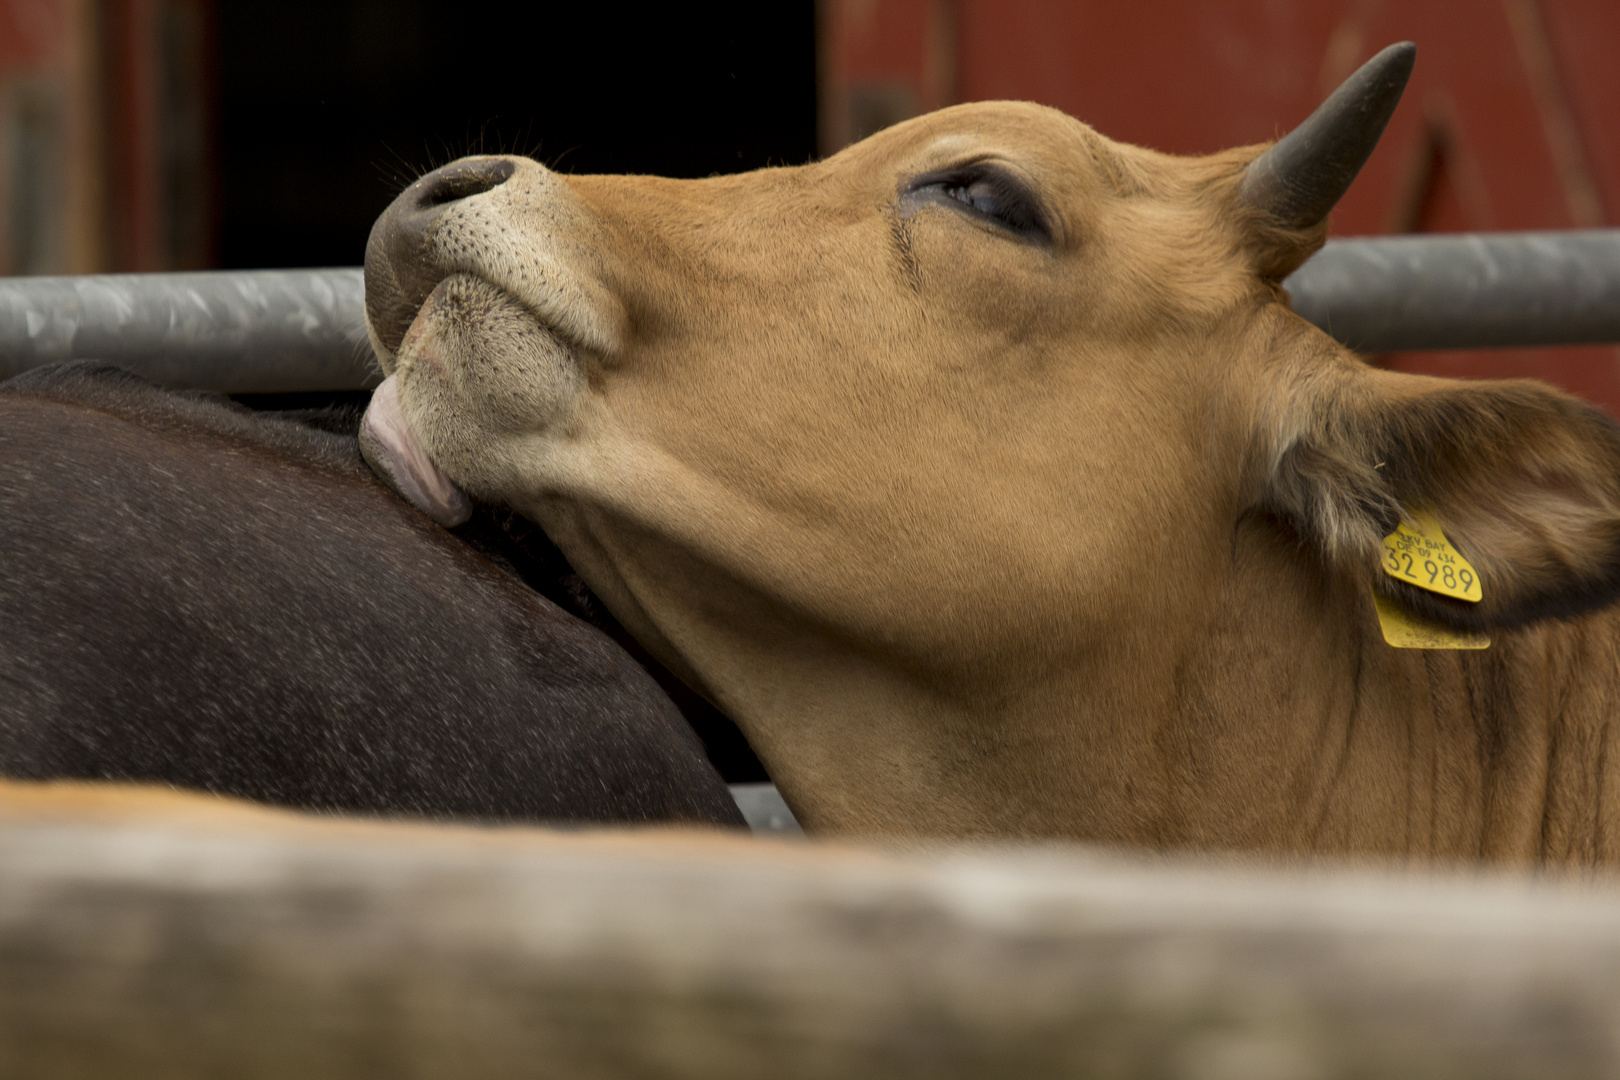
<point>387,441</point>
<point>476,369</point>
<point>399,459</point>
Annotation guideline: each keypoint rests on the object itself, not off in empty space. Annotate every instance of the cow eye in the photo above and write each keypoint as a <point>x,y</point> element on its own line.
<point>985,192</point>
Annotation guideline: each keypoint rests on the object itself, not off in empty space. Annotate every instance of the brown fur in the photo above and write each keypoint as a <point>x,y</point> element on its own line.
<point>980,534</point>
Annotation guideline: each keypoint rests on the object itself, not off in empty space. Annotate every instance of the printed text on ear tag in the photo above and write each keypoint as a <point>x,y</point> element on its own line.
<point>1422,556</point>
<point>1405,630</point>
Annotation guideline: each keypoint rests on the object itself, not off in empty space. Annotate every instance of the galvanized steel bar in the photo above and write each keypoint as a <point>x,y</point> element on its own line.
<point>234,331</point>
<point>289,330</point>
<point>1467,291</point>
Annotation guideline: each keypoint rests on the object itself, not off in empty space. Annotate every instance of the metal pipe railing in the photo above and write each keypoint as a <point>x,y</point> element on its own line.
<point>287,330</point>
<point>1466,291</point>
<point>231,330</point>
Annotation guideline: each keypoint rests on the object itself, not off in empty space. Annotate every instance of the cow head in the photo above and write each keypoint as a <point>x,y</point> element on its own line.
<point>926,461</point>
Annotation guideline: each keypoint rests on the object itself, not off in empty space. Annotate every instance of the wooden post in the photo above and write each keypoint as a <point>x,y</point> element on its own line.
<point>140,938</point>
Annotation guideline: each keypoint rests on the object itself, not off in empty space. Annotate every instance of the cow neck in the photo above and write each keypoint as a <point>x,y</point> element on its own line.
<point>1269,716</point>
<point>1300,730</point>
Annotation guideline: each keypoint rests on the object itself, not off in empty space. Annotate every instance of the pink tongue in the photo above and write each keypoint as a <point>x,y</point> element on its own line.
<point>391,449</point>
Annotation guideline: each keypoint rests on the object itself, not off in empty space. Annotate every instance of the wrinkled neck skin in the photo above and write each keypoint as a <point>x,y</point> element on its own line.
<point>1274,721</point>
<point>1301,731</point>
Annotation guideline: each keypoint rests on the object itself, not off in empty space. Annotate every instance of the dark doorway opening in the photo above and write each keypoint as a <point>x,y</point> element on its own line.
<point>329,107</point>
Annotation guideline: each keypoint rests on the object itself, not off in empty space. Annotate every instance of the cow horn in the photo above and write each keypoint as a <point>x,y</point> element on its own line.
<point>1299,179</point>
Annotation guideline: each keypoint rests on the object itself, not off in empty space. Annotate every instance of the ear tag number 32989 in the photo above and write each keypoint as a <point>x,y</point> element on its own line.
<point>1422,556</point>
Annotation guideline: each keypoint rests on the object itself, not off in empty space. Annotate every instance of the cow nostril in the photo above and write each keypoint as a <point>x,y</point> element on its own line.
<point>464,179</point>
<point>401,267</point>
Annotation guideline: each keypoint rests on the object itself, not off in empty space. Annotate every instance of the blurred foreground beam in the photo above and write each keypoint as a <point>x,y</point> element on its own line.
<point>142,943</point>
<point>288,330</point>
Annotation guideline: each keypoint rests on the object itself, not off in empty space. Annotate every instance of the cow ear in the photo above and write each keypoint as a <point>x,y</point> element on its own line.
<point>1524,480</point>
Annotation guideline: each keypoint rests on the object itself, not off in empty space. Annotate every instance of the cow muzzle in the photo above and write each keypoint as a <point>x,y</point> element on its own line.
<point>485,302</point>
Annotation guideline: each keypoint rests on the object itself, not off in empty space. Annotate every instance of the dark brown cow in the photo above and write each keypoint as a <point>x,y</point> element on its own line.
<point>196,595</point>
<point>983,474</point>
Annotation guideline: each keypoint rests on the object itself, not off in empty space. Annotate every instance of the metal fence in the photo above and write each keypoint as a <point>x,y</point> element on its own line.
<point>288,330</point>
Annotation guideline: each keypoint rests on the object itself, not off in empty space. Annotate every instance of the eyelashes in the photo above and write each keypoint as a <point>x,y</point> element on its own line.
<point>986,192</point>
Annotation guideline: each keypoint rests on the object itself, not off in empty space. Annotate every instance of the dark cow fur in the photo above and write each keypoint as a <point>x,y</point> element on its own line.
<point>196,594</point>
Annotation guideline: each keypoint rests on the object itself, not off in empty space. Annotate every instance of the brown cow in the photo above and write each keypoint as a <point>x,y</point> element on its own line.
<point>983,474</point>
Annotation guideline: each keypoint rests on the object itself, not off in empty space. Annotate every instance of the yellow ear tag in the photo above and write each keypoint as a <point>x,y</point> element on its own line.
<point>1405,630</point>
<point>1422,556</point>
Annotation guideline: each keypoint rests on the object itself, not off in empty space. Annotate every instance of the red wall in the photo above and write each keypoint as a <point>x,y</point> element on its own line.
<point>106,132</point>
<point>1511,121</point>
<point>31,33</point>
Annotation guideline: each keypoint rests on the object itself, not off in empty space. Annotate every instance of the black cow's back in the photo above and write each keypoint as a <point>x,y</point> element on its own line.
<point>195,594</point>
